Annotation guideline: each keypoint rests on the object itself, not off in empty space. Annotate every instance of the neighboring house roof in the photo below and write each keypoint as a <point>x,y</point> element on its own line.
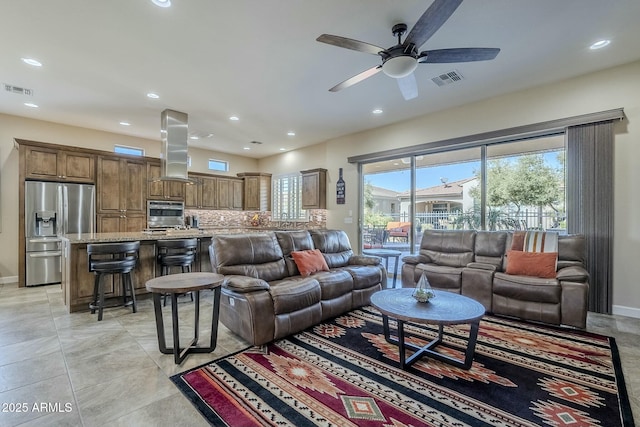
<point>450,189</point>
<point>379,192</point>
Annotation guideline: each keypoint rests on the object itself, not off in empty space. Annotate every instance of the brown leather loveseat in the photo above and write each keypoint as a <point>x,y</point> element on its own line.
<point>474,263</point>
<point>264,296</point>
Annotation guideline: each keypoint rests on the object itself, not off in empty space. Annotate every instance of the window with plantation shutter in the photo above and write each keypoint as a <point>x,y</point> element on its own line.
<point>287,199</point>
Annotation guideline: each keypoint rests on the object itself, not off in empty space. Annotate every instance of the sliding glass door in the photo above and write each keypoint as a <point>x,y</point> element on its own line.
<point>508,186</point>
<point>525,185</point>
<point>386,222</point>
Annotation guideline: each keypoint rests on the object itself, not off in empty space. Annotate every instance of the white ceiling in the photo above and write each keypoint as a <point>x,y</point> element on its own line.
<point>259,60</point>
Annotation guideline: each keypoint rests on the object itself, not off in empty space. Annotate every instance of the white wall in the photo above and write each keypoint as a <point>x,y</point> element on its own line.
<point>613,88</point>
<point>37,130</point>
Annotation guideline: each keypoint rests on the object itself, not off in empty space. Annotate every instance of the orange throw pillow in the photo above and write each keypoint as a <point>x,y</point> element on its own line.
<point>537,264</point>
<point>309,261</point>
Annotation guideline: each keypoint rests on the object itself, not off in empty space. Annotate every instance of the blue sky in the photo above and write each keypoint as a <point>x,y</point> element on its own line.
<point>425,177</point>
<point>430,177</point>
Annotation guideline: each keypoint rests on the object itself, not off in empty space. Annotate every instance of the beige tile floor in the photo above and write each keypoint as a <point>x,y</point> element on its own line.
<point>110,373</point>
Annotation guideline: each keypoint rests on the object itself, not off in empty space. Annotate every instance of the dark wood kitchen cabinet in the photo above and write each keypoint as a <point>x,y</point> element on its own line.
<point>78,281</point>
<point>257,191</point>
<point>162,190</point>
<point>203,194</point>
<point>213,192</point>
<point>230,193</point>
<point>314,189</point>
<point>121,194</point>
<point>59,165</point>
<point>114,223</point>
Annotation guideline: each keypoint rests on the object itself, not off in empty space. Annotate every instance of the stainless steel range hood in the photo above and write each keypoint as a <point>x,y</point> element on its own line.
<point>175,133</point>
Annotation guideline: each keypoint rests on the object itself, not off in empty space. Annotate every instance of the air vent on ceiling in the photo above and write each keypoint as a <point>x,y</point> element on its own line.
<point>448,78</point>
<point>18,90</point>
<point>256,142</point>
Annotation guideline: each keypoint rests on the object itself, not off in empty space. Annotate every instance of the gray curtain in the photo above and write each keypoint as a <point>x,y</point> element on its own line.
<point>590,204</point>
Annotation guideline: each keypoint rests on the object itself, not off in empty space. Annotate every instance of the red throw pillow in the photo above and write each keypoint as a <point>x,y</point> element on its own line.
<point>537,264</point>
<point>309,261</point>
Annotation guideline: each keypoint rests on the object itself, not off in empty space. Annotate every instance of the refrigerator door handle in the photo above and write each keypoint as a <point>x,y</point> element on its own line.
<point>44,240</point>
<point>60,210</point>
<point>44,254</point>
<point>66,208</point>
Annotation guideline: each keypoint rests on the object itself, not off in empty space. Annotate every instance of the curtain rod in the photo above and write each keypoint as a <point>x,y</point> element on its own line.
<point>534,130</point>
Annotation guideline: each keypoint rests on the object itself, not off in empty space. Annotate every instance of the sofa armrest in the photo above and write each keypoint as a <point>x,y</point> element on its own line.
<point>572,274</point>
<point>244,284</point>
<point>365,260</point>
<point>415,259</point>
<point>574,304</point>
<point>481,266</point>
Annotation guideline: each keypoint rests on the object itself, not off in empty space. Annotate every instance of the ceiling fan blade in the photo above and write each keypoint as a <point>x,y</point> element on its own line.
<point>350,44</point>
<point>431,20</point>
<point>408,86</point>
<point>357,78</point>
<point>469,54</point>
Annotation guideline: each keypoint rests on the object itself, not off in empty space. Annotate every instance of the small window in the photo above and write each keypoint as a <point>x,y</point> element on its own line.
<point>218,165</point>
<point>134,151</point>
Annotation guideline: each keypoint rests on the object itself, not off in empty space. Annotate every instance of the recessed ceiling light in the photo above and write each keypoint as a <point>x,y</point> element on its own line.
<point>291,133</point>
<point>377,111</point>
<point>600,44</point>
<point>125,123</point>
<point>32,61</point>
<point>162,3</point>
<point>153,95</point>
<point>283,149</point>
<point>30,105</point>
<point>234,118</point>
<point>194,137</point>
<point>246,148</point>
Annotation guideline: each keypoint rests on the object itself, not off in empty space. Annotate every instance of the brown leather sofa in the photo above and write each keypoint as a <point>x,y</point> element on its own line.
<point>264,296</point>
<point>473,263</point>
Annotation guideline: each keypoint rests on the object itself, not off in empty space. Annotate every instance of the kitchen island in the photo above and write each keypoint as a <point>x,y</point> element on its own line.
<point>77,281</point>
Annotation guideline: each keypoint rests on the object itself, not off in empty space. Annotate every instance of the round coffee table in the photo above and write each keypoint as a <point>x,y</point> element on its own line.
<point>445,309</point>
<point>181,283</point>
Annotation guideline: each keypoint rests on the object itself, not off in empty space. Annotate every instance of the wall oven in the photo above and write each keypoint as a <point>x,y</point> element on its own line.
<point>165,214</point>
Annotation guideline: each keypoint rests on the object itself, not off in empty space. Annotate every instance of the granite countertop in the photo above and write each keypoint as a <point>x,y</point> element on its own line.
<point>157,235</point>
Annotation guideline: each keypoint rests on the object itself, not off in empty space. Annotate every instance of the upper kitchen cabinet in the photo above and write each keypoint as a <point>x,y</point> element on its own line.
<point>122,186</point>
<point>162,190</point>
<point>203,194</point>
<point>257,191</point>
<point>237,190</point>
<point>230,193</point>
<point>314,189</point>
<point>213,192</point>
<point>59,165</point>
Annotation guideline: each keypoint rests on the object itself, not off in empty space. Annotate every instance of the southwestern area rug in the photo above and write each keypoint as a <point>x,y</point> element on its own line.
<point>343,373</point>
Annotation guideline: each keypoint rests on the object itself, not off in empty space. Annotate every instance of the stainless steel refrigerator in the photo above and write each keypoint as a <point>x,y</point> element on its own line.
<point>51,210</point>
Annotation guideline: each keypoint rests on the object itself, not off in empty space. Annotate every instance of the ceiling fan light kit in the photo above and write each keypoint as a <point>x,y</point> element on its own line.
<point>401,60</point>
<point>399,66</point>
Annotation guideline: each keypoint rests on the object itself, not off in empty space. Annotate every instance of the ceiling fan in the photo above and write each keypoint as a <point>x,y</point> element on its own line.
<point>401,60</point>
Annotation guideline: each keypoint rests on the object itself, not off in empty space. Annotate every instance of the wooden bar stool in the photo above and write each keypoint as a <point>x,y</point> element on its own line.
<point>176,253</point>
<point>112,258</point>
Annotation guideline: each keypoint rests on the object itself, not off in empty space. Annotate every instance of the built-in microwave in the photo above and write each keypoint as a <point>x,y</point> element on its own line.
<point>165,214</point>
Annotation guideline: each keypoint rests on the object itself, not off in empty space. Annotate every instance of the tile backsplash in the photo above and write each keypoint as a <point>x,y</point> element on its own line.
<point>248,219</point>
